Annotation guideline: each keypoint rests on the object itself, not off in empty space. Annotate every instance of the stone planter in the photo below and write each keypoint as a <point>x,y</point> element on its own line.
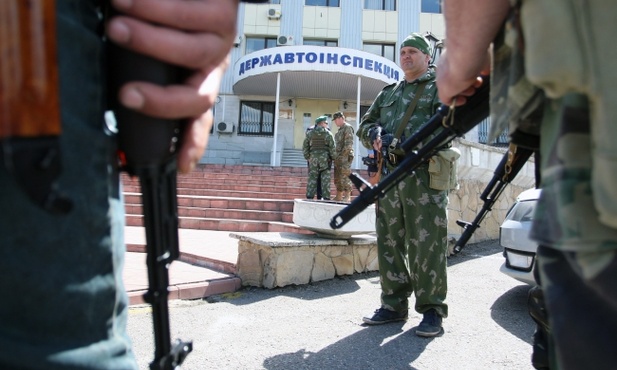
<point>315,215</point>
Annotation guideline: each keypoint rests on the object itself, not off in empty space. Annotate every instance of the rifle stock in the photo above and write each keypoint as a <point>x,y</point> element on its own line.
<point>444,126</point>
<point>29,100</point>
<point>29,103</point>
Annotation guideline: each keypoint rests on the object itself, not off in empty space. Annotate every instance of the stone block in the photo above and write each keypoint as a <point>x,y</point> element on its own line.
<point>323,268</point>
<point>289,267</point>
<point>271,259</point>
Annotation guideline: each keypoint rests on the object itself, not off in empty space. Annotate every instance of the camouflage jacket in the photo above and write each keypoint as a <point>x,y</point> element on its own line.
<point>344,141</point>
<point>319,142</point>
<point>390,106</point>
<point>516,104</point>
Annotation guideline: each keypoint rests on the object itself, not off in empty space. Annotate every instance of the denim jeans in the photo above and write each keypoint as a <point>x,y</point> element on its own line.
<point>64,305</point>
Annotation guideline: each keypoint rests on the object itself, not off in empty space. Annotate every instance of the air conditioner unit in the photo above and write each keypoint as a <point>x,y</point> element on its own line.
<point>225,127</point>
<point>274,13</point>
<point>284,40</point>
<point>237,40</point>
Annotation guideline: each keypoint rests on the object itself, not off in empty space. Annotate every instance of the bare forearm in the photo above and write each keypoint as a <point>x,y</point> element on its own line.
<point>471,26</point>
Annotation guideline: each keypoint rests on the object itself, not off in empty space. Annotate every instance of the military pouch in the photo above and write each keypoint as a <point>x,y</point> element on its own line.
<point>442,170</point>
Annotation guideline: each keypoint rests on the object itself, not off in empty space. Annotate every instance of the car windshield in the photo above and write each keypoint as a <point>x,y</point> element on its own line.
<point>522,211</point>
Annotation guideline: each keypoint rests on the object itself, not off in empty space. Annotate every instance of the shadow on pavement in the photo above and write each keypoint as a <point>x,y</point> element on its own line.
<point>475,250</point>
<point>321,289</point>
<point>375,347</point>
<point>510,312</point>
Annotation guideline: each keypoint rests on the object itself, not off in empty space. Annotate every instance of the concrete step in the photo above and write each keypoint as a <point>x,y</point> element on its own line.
<point>206,169</point>
<point>225,178</point>
<point>222,213</point>
<point>219,224</point>
<point>230,193</point>
<point>256,204</point>
<point>207,265</point>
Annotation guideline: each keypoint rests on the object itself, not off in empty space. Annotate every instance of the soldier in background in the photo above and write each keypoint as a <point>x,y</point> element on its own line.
<point>307,165</point>
<point>344,157</point>
<point>318,150</point>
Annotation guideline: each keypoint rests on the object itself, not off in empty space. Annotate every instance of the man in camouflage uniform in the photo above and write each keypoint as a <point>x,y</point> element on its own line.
<point>318,150</point>
<point>570,56</point>
<point>344,157</point>
<point>319,196</point>
<point>411,219</point>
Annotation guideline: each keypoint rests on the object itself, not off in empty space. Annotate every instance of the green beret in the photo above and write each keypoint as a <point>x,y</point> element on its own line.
<point>321,119</point>
<point>417,41</point>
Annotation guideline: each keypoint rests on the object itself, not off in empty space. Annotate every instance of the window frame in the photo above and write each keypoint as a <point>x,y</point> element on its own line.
<point>383,51</point>
<point>328,3</point>
<point>267,40</point>
<point>314,42</point>
<point>261,122</point>
<point>386,5</point>
<point>427,7</point>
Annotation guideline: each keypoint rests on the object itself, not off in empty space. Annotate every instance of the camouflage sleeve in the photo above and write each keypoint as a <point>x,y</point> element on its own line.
<point>435,104</point>
<point>348,140</point>
<point>368,121</point>
<point>306,146</point>
<point>331,145</point>
<point>436,101</point>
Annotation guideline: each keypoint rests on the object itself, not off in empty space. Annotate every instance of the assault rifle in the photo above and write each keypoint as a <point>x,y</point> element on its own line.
<point>506,171</point>
<point>443,127</point>
<point>147,149</point>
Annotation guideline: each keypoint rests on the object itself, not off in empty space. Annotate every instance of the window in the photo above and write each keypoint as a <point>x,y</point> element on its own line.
<point>320,42</point>
<point>334,3</point>
<point>431,6</point>
<point>259,43</point>
<point>256,118</point>
<point>363,110</point>
<point>381,4</point>
<point>384,50</point>
<point>483,132</point>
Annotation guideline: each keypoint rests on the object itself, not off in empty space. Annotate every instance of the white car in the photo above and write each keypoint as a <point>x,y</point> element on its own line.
<point>518,249</point>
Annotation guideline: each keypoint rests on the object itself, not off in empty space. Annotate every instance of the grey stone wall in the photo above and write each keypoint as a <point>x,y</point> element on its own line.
<point>476,168</point>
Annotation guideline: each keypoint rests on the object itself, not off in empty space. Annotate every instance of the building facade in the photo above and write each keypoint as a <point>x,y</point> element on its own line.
<point>295,60</point>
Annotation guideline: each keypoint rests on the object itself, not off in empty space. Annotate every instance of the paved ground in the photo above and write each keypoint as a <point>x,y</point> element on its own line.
<point>186,280</point>
<point>318,326</point>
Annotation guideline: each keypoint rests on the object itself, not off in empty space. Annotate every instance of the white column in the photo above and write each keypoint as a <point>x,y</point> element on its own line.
<point>276,119</point>
<point>357,162</point>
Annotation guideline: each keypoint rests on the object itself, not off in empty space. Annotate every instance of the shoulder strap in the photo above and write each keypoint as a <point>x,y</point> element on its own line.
<point>408,113</point>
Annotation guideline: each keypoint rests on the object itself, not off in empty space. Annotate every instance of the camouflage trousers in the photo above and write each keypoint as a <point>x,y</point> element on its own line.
<point>412,243</point>
<point>581,301</point>
<point>319,173</point>
<point>577,257</point>
<point>342,170</point>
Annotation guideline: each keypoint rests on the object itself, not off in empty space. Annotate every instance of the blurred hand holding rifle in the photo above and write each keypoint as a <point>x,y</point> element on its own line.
<point>447,124</point>
<point>148,150</point>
